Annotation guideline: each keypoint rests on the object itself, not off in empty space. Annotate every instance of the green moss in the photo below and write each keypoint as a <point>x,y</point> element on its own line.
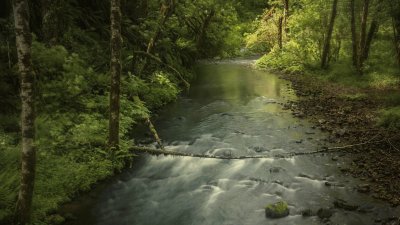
<point>277,210</point>
<point>278,207</point>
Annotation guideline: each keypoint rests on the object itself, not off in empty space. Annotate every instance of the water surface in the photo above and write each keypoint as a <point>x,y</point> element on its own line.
<point>231,110</point>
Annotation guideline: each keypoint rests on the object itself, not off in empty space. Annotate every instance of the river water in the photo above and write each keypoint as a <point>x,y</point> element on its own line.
<point>232,110</point>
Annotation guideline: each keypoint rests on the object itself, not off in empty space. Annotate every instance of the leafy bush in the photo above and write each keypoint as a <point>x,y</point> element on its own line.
<point>72,128</point>
<point>286,61</point>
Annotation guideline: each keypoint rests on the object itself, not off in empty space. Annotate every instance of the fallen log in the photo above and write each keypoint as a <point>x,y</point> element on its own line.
<point>157,152</point>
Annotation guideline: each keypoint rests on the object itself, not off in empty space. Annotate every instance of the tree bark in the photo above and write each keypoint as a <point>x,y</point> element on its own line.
<point>396,30</point>
<point>373,29</point>
<point>280,31</point>
<point>285,13</point>
<point>354,37</point>
<point>115,70</point>
<point>363,36</point>
<point>327,43</point>
<point>28,159</point>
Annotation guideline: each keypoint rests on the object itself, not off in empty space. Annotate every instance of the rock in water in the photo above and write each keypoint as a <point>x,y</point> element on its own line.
<point>277,210</point>
<point>307,213</point>
<point>324,213</point>
<point>364,188</point>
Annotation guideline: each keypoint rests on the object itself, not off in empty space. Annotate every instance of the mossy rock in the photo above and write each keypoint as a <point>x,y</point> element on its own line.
<point>277,210</point>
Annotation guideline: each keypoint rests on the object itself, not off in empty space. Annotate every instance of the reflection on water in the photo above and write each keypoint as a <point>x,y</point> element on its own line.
<point>230,110</point>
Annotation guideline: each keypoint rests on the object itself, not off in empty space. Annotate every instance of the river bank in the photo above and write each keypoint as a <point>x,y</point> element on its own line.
<point>350,115</point>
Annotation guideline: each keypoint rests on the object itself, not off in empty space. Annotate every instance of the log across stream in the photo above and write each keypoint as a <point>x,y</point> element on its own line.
<point>242,146</point>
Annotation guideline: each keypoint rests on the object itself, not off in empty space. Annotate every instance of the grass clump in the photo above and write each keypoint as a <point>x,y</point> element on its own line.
<point>390,118</point>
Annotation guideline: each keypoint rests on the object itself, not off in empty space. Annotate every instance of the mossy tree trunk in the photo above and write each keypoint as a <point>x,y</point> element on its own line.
<point>286,14</point>
<point>115,70</point>
<point>327,42</point>
<point>27,82</point>
<point>373,29</point>
<point>363,36</point>
<point>396,31</point>
<point>280,32</point>
<point>354,36</point>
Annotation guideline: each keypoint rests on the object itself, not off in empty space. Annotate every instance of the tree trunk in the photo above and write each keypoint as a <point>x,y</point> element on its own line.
<point>354,37</point>
<point>28,159</point>
<point>280,31</point>
<point>396,30</point>
<point>116,42</point>
<point>285,13</point>
<point>327,43</point>
<point>373,29</point>
<point>363,36</point>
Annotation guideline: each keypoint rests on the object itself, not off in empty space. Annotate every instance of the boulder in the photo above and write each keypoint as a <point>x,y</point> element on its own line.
<point>277,210</point>
<point>324,213</point>
<point>341,204</point>
<point>307,213</point>
<point>364,188</point>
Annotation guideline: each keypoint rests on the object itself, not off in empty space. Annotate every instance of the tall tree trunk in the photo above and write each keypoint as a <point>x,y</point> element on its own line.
<point>363,36</point>
<point>373,29</point>
<point>285,13</point>
<point>396,30</point>
<point>115,64</point>
<point>327,43</point>
<point>354,37</point>
<point>24,42</point>
<point>280,31</point>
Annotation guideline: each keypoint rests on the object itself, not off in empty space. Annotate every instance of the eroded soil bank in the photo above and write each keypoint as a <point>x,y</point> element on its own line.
<point>349,115</point>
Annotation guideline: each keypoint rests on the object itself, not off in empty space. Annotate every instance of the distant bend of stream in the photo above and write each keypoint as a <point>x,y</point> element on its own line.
<point>231,110</point>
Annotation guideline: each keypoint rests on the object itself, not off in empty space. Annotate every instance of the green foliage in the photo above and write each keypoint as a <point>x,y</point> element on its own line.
<point>304,37</point>
<point>286,61</point>
<point>9,155</point>
<point>390,118</point>
<point>72,127</point>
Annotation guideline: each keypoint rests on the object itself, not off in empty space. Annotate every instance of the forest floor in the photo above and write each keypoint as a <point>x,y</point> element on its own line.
<point>350,115</point>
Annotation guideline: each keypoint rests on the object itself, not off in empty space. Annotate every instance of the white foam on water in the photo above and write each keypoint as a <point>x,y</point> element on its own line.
<point>312,182</point>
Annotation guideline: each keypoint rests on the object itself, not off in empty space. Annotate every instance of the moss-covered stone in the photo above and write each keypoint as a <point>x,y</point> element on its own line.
<point>277,210</point>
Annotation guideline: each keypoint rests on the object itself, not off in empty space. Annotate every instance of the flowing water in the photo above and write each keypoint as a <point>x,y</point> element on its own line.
<point>232,110</point>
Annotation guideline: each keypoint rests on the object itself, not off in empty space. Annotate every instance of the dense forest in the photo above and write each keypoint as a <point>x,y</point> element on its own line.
<point>77,77</point>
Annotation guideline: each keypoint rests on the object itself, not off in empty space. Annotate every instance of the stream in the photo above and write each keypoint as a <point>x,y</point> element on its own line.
<point>232,110</point>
